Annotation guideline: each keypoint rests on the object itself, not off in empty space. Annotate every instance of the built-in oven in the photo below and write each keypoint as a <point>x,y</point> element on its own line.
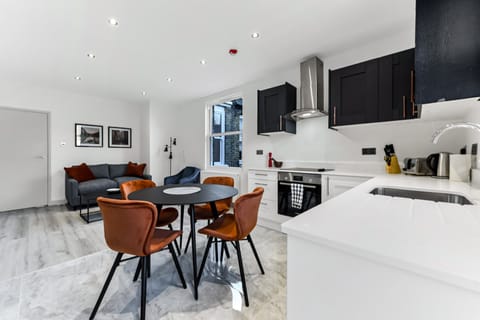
<point>298,192</point>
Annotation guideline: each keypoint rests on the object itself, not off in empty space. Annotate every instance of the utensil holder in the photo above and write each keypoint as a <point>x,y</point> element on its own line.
<point>394,167</point>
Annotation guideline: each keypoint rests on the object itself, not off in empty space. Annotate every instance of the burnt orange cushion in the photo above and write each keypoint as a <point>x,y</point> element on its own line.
<point>135,170</point>
<point>80,173</point>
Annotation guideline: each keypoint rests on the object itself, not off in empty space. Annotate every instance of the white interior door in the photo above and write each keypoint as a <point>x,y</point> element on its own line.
<point>23,159</point>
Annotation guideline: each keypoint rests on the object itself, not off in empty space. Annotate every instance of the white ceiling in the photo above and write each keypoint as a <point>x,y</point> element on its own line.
<point>46,42</point>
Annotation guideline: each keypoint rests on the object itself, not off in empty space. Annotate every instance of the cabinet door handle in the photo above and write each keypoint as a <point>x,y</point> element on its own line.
<point>261,174</point>
<point>404,107</point>
<point>280,122</point>
<point>411,86</point>
<point>264,203</point>
<point>328,186</point>
<point>261,184</point>
<point>334,115</point>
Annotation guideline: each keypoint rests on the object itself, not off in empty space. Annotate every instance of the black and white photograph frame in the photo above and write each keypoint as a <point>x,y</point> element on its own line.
<point>119,137</point>
<point>88,135</point>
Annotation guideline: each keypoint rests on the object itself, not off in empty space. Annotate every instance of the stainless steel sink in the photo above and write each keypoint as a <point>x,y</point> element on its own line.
<point>422,195</point>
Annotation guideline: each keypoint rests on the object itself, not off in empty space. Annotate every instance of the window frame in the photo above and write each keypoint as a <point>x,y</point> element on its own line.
<point>209,135</point>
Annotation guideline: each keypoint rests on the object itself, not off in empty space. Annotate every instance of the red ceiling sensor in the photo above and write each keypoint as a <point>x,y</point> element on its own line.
<point>233,52</point>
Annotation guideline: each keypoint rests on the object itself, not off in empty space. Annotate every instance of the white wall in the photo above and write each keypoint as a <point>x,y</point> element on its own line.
<point>314,142</point>
<point>65,109</point>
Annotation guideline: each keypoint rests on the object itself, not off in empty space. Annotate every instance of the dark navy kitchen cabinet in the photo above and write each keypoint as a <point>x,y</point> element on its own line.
<point>274,105</point>
<point>377,90</point>
<point>354,94</point>
<point>447,50</point>
<point>397,86</point>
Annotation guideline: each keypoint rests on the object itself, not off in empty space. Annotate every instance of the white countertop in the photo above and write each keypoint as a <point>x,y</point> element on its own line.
<point>330,173</point>
<point>437,240</point>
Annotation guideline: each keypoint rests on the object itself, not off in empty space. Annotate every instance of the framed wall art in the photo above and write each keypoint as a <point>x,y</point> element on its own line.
<point>119,137</point>
<point>88,135</point>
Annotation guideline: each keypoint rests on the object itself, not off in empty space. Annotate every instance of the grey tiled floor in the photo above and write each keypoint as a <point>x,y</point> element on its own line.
<point>53,266</point>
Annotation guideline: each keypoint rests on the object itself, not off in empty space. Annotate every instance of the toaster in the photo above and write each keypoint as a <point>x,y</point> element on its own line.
<point>416,166</point>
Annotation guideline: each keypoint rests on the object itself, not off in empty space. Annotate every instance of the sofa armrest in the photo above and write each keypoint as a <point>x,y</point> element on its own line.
<point>147,176</point>
<point>71,191</point>
<point>171,180</point>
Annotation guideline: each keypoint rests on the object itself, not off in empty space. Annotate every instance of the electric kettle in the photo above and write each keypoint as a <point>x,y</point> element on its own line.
<point>439,163</point>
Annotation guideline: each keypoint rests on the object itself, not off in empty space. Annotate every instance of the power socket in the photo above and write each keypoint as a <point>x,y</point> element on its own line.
<point>369,151</point>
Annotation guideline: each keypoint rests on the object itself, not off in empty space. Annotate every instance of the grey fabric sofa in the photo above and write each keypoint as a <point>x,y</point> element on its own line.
<point>106,176</point>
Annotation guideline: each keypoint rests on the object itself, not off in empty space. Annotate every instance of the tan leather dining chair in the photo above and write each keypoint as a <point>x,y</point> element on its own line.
<point>165,217</point>
<point>235,227</point>
<point>129,228</point>
<point>204,211</point>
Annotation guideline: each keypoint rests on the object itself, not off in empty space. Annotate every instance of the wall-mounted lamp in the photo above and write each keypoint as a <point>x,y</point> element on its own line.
<point>173,142</point>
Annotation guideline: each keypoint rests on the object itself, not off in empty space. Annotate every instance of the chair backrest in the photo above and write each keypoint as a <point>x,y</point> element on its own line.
<point>246,211</point>
<point>128,225</point>
<point>131,186</point>
<point>226,181</point>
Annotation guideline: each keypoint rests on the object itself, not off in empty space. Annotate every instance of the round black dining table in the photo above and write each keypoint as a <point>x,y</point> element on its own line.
<point>167,195</point>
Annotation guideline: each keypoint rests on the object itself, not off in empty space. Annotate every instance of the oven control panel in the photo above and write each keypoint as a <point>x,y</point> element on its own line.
<point>300,177</point>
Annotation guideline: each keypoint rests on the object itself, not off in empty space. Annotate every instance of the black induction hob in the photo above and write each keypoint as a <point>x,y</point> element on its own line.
<point>307,169</point>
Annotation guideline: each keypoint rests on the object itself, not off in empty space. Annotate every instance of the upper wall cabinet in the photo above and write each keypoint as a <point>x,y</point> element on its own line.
<point>273,106</point>
<point>373,91</point>
<point>447,50</point>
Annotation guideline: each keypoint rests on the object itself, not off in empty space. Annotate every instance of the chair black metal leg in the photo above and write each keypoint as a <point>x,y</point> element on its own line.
<point>194,252</point>
<point>144,289</point>
<point>182,212</point>
<point>175,241</point>
<point>222,248</point>
<point>177,265</point>
<point>137,271</point>
<point>216,250</point>
<point>242,272</point>
<point>249,238</point>
<point>105,286</point>
<point>205,255</point>
<point>188,242</point>
<point>149,268</point>
<point>227,253</point>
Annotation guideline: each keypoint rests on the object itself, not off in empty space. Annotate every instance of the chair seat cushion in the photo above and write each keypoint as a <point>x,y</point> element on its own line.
<point>204,211</point>
<point>161,238</point>
<point>223,228</point>
<point>96,185</point>
<point>121,180</point>
<point>167,216</point>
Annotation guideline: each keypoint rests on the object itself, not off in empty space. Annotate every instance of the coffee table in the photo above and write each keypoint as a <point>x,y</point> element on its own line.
<point>91,198</point>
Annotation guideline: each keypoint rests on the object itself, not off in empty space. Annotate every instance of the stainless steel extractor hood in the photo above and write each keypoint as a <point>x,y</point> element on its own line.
<point>311,91</point>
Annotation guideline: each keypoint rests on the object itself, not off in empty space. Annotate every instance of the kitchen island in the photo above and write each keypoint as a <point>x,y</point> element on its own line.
<point>364,256</point>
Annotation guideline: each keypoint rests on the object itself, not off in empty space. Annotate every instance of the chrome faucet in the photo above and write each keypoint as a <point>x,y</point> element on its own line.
<point>450,126</point>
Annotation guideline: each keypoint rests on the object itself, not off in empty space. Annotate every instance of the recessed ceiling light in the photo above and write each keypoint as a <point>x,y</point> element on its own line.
<point>144,93</point>
<point>113,21</point>
<point>91,55</point>
<point>78,78</point>
<point>255,35</point>
<point>203,61</point>
<point>169,79</point>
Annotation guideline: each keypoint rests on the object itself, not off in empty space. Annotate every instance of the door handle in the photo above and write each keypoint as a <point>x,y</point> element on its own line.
<point>281,122</point>
<point>412,96</point>
<point>261,184</point>
<point>334,115</point>
<point>404,107</point>
<point>328,186</point>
